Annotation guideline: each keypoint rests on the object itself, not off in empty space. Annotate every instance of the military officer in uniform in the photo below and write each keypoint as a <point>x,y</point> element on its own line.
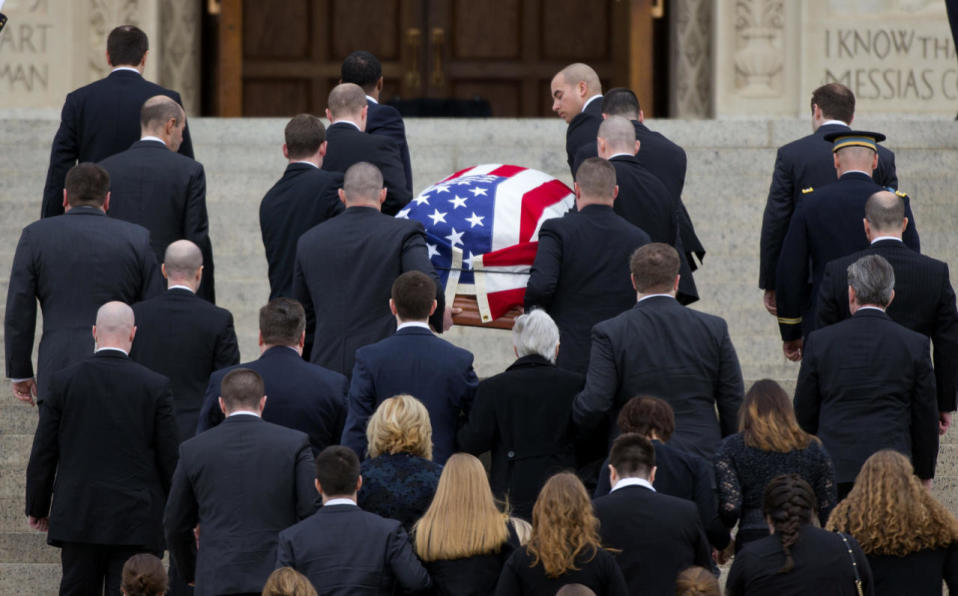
<point>827,225</point>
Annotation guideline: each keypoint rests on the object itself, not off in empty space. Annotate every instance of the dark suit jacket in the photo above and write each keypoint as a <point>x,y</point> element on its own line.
<point>524,416</point>
<point>344,271</point>
<point>581,276</point>
<point>646,202</point>
<point>299,395</point>
<point>185,338</point>
<point>72,265</point>
<point>924,302</point>
<point>826,226</point>
<point>799,165</point>
<point>105,447</point>
<point>348,145</point>
<point>658,535</point>
<point>304,197</point>
<point>243,482</point>
<point>165,193</point>
<point>350,552</point>
<point>867,384</point>
<point>416,362</point>
<point>385,120</point>
<point>97,121</point>
<point>582,131</point>
<point>664,349</point>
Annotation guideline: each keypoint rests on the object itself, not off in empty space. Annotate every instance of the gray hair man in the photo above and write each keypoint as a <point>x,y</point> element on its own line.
<point>536,333</point>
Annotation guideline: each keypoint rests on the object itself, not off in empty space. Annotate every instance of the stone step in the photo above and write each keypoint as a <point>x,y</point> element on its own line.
<point>37,579</point>
<point>27,547</point>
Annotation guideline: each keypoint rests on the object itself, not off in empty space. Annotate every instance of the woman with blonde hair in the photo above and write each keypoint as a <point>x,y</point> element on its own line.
<point>910,539</point>
<point>143,575</point>
<point>286,581</point>
<point>769,443</point>
<point>564,547</point>
<point>463,539</point>
<point>399,478</point>
<point>697,581</point>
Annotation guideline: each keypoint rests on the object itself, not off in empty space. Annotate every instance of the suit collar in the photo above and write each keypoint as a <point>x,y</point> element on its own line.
<point>180,292</point>
<point>85,211</point>
<point>361,211</point>
<point>298,166</point>
<point>149,144</point>
<point>596,209</point>
<point>242,419</point>
<point>824,129</point>
<point>870,313</point>
<point>530,361</point>
<point>345,125</point>
<point>888,243</point>
<point>413,331</point>
<point>280,352</point>
<point>855,176</point>
<point>110,353</point>
<point>625,158</point>
<point>125,73</point>
<point>656,300</point>
<point>325,509</point>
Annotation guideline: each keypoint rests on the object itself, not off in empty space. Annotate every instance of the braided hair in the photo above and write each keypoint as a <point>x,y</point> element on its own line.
<point>789,505</point>
<point>144,575</point>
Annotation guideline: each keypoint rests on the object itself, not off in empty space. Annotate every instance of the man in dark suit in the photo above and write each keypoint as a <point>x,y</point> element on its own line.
<point>657,154</point>
<point>72,265</point>
<point>827,226</point>
<point>524,416</point>
<point>304,197</point>
<point>103,118</point>
<point>161,190</point>
<point>302,396</point>
<point>346,550</point>
<point>579,275</point>
<point>643,199</point>
<point>346,266</point>
<point>364,69</point>
<point>349,145</point>
<point>241,483</point>
<point>666,350</point>
<point>658,536</point>
<point>182,336</point>
<point>577,98</point>
<point>924,299</point>
<point>412,361</point>
<point>867,383</point>
<point>104,452</point>
<point>805,165</point>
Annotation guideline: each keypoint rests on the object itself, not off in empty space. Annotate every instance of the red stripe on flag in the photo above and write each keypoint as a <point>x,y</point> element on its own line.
<point>523,253</point>
<point>507,171</point>
<point>501,302</point>
<point>535,202</point>
<point>457,174</point>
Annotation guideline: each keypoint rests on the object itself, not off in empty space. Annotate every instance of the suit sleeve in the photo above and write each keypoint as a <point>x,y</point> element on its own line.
<point>601,383</point>
<point>196,228</point>
<point>729,487</point>
<point>924,417</point>
<point>830,296</point>
<point>508,584</point>
<point>808,398</point>
<point>885,174</point>
<point>394,178</point>
<point>394,128</point>
<point>359,407</point>
<point>735,584</point>
<point>20,319</point>
<point>180,517</point>
<point>63,156</point>
<point>210,414</point>
<point>703,551</point>
<point>824,485</point>
<point>544,276</point>
<point>730,387</point>
<point>284,552</point>
<point>409,572</point>
<point>305,473</point>
<point>479,433</point>
<point>910,235</point>
<point>415,257</point>
<point>792,278</point>
<point>152,281</point>
<point>945,341</point>
<point>470,384</point>
<point>778,211</point>
<point>166,436</point>
<point>614,579</point>
<point>42,467</point>
<point>301,294</point>
<point>227,348</point>
<point>186,147</point>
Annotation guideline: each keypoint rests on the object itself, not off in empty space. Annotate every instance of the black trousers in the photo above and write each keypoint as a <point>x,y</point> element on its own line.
<point>94,569</point>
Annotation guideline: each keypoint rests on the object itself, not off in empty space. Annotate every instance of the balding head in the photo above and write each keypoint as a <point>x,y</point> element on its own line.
<point>347,101</point>
<point>114,326</point>
<point>163,118</point>
<point>363,186</point>
<point>595,183</point>
<point>571,87</point>
<point>857,158</point>
<point>183,264</point>
<point>616,135</point>
<point>885,215</point>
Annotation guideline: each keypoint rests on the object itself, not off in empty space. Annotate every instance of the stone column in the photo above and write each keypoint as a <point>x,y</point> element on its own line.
<point>180,26</point>
<point>690,58</point>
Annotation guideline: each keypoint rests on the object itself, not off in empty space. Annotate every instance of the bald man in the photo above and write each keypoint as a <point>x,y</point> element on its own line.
<point>347,144</point>
<point>183,336</point>
<point>577,98</point>
<point>161,190</point>
<point>107,437</point>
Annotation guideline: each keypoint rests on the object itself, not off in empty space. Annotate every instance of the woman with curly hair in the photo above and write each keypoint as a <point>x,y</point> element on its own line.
<point>769,443</point>
<point>798,558</point>
<point>910,539</point>
<point>564,547</point>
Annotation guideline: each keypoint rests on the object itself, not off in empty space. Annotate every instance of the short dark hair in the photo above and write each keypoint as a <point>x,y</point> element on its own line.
<point>304,134</point>
<point>413,292</point>
<point>654,267</point>
<point>644,414</point>
<point>361,68</point>
<point>620,101</point>
<point>87,184</point>
<point>242,388</point>
<point>282,321</point>
<point>632,455</point>
<point>885,211</point>
<point>596,178</point>
<point>836,101</point>
<point>159,110</point>
<point>337,469</point>
<point>126,45</point>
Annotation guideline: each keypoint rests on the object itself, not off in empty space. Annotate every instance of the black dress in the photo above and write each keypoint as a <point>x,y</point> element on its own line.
<point>919,573</point>
<point>471,576</point>
<point>398,486</point>
<point>601,574</point>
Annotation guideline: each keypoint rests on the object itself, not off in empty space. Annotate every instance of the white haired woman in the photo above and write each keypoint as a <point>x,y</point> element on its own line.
<point>524,416</point>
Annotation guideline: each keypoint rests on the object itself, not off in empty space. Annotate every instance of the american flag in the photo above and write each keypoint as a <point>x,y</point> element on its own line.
<point>482,228</point>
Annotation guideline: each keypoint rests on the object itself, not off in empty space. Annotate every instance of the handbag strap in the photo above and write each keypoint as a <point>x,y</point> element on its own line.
<point>851,555</point>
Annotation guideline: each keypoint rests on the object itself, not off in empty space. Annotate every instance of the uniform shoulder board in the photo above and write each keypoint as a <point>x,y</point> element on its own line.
<point>901,194</point>
<point>805,191</point>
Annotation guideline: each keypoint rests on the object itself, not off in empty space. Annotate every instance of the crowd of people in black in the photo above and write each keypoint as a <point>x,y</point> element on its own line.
<point>623,447</point>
